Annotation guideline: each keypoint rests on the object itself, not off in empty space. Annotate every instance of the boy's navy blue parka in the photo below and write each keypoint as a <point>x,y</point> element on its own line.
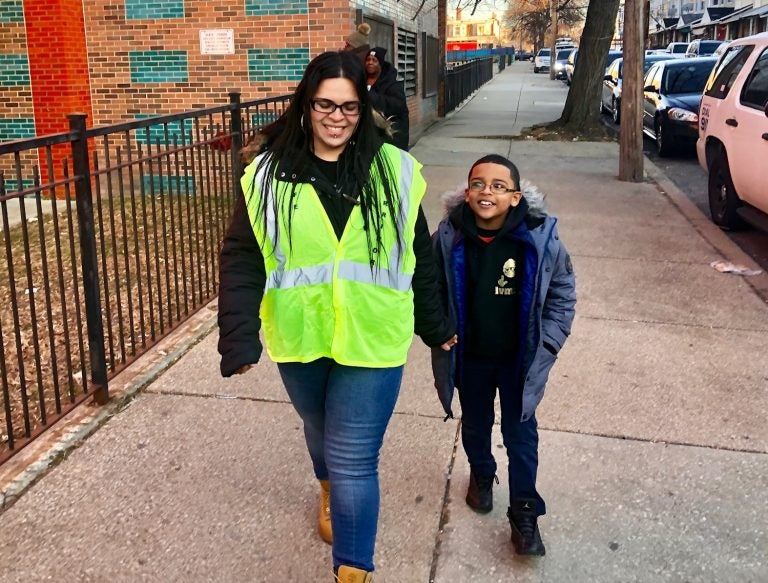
<point>548,297</point>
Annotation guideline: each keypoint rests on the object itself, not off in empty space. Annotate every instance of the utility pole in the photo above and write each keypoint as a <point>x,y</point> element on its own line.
<point>442,20</point>
<point>631,131</point>
<point>553,42</point>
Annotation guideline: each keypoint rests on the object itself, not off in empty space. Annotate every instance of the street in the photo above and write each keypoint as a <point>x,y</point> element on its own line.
<point>682,169</point>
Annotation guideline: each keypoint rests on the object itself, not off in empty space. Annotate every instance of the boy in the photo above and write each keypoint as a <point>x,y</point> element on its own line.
<point>508,282</point>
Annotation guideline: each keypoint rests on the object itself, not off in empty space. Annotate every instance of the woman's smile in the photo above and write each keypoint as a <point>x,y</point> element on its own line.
<point>332,131</point>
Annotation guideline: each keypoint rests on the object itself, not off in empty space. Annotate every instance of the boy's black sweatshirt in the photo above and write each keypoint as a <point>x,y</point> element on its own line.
<point>494,273</point>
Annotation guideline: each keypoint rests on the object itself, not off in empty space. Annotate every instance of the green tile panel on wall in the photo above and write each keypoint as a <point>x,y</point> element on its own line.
<point>14,70</point>
<point>16,128</point>
<point>275,7</point>
<point>277,64</point>
<point>12,185</point>
<point>150,9</point>
<point>11,11</point>
<point>157,132</point>
<point>159,66</point>
<point>168,185</point>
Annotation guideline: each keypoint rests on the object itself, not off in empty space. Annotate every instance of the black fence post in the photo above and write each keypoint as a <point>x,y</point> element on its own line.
<point>89,258</point>
<point>236,129</point>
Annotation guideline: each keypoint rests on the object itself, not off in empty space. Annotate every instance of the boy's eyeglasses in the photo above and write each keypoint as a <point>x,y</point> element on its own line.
<point>328,107</point>
<point>495,187</point>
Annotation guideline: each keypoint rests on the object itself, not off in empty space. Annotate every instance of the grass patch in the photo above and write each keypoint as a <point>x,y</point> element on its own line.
<point>157,263</point>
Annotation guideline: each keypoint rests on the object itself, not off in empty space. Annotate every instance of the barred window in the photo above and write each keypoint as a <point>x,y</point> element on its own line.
<point>406,60</point>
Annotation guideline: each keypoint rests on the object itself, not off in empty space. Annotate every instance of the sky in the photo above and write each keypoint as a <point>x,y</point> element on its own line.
<point>485,9</point>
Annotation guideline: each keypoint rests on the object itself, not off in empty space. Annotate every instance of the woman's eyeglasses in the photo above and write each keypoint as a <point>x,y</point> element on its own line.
<point>495,187</point>
<point>328,107</point>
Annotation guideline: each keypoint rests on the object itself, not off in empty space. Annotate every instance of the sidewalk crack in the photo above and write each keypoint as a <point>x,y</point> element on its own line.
<point>445,512</point>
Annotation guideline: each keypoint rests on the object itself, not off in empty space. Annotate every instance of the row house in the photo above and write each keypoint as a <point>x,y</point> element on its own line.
<point>473,32</point>
<point>685,20</point>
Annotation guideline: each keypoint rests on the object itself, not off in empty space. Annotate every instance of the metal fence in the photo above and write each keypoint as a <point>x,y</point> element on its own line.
<point>463,80</point>
<point>111,237</point>
<point>472,54</point>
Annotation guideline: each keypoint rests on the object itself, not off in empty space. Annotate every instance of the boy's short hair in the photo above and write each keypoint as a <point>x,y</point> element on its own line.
<point>502,161</point>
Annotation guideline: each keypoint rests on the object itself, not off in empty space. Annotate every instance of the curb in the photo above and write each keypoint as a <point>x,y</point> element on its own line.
<point>43,454</point>
<point>707,229</point>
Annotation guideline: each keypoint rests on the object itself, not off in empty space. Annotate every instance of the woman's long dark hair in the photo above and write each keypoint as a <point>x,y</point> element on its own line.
<point>370,176</point>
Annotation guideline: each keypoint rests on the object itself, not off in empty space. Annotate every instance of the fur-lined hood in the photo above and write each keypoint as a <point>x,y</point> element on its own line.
<point>537,205</point>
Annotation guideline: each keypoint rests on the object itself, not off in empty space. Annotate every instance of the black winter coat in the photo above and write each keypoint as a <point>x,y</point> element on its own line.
<point>242,279</point>
<point>388,96</point>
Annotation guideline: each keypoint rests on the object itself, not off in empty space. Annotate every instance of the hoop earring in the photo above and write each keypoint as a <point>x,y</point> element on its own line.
<point>301,123</point>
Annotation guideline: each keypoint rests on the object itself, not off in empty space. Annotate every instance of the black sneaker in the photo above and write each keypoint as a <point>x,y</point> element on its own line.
<point>525,528</point>
<point>480,492</point>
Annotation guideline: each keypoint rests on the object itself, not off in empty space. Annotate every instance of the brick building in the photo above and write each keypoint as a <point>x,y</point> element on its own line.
<point>128,59</point>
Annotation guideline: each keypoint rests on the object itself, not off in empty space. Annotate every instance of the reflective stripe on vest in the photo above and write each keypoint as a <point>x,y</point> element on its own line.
<point>344,321</point>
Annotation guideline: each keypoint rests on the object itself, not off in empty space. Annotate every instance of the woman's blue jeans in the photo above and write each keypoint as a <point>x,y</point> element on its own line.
<point>345,410</point>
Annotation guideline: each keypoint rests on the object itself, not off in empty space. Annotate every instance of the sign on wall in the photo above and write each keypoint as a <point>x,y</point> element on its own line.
<point>217,41</point>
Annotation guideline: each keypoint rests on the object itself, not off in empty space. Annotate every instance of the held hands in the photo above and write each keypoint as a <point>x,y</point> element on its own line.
<point>450,343</point>
<point>243,369</point>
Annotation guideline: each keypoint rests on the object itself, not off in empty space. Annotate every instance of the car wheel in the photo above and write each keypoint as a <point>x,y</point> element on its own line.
<point>615,111</point>
<point>664,142</point>
<point>723,200</point>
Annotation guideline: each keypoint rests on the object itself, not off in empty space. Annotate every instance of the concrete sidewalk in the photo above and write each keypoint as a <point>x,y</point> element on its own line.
<point>653,432</point>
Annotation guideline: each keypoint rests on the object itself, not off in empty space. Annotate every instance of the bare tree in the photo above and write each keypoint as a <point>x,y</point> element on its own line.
<point>532,18</point>
<point>580,114</point>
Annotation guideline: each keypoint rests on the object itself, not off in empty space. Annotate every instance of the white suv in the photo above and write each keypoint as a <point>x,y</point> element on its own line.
<point>541,62</point>
<point>733,134</point>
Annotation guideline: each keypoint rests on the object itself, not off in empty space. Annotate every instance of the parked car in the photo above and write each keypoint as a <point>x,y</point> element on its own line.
<point>677,48</point>
<point>523,55</point>
<point>570,65</point>
<point>671,96</point>
<point>702,48</point>
<point>541,61</point>
<point>561,60</point>
<point>610,97</point>
<point>721,49</point>
<point>733,134</point>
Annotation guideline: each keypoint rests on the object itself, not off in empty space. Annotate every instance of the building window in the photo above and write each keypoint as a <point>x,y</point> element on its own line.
<point>406,60</point>
<point>382,32</point>
<point>430,64</point>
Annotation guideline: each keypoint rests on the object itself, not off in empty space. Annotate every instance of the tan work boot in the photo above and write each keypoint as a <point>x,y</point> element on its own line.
<point>351,575</point>
<point>324,513</point>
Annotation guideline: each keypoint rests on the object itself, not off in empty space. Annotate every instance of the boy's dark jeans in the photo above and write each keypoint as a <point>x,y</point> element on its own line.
<point>480,379</point>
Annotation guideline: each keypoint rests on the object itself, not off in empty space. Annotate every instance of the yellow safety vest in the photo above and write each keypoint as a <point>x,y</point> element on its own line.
<point>322,297</point>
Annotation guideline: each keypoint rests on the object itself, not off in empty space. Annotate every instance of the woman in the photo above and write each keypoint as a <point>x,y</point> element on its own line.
<point>388,95</point>
<point>331,243</point>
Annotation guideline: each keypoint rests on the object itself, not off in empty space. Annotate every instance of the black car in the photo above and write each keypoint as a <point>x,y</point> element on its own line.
<point>671,96</point>
<point>523,55</point>
<point>610,98</point>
